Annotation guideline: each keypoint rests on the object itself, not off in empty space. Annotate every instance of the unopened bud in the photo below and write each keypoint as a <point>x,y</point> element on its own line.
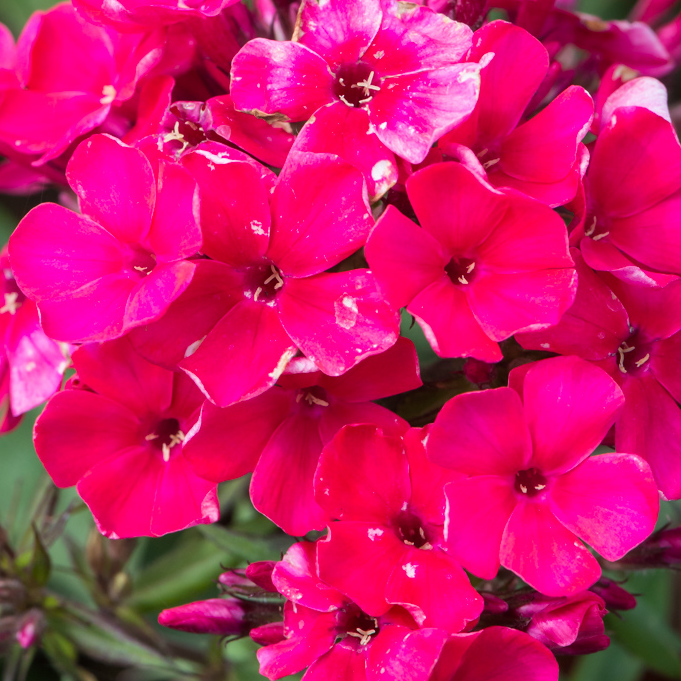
<point>493,604</point>
<point>615,597</point>
<point>30,628</point>
<point>268,634</point>
<point>663,548</point>
<point>222,616</point>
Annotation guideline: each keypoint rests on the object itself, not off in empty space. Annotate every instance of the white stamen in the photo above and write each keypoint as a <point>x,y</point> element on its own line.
<point>538,488</point>
<point>177,136</point>
<point>462,280</point>
<point>311,399</point>
<point>643,360</point>
<point>491,163</point>
<point>367,86</point>
<point>166,452</point>
<point>139,268</point>
<point>345,101</point>
<point>592,227</point>
<point>11,305</point>
<point>523,489</point>
<point>108,95</point>
<point>258,291</point>
<point>470,268</point>
<point>151,436</point>
<point>598,237</point>
<point>621,352</point>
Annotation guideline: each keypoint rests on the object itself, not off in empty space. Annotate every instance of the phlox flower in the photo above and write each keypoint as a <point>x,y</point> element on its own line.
<point>31,364</point>
<point>118,435</point>
<point>386,547</point>
<point>634,333</point>
<point>122,261</point>
<point>397,68</point>
<point>279,435</point>
<point>531,489</point>
<point>67,77</point>
<point>484,264</point>
<point>543,156</point>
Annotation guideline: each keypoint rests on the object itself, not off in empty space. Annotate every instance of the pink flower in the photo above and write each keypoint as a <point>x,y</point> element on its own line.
<point>386,548</point>
<point>397,68</point>
<point>532,490</point>
<point>484,265</point>
<point>634,333</point>
<point>280,435</point>
<point>543,156</point>
<point>119,438</point>
<point>268,293</point>
<point>69,75</point>
<point>31,365</point>
<point>120,264</point>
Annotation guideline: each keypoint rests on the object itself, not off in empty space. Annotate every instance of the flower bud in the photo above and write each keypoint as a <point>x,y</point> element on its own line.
<point>615,597</point>
<point>30,628</point>
<point>222,616</point>
<point>662,548</point>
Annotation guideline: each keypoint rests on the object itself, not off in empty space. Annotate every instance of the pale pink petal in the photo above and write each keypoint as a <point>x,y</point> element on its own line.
<point>280,77</point>
<point>545,554</point>
<point>337,319</point>
<point>363,475</point>
<point>444,314</point>
<point>481,433</point>
<point>433,587</point>
<point>404,258</point>
<point>473,531</point>
<point>311,188</point>
<point>229,441</point>
<point>281,486</point>
<point>115,185</point>
<point>253,349</point>
<point>79,429</point>
<point>357,559</point>
<point>570,405</point>
<point>412,111</point>
<point>336,31</point>
<point>610,501</point>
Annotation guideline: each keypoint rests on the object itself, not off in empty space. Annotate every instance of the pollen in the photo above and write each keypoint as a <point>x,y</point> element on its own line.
<point>367,86</point>
<point>12,303</point>
<point>108,95</point>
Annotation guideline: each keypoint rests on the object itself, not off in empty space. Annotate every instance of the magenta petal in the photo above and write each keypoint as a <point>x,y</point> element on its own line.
<point>80,429</point>
<point>116,371</point>
<point>115,185</point>
<point>504,304</point>
<point>609,501</point>
<point>151,298</point>
<point>545,554</point>
<point>51,262</point>
<point>545,148</point>
<point>363,475</point>
<point>411,111</point>
<point>473,531</point>
<point>235,214</point>
<point>665,364</point>
<point>456,207</point>
<point>343,662</point>
<point>241,430</point>
<point>404,258</point>
<point>570,405</point>
<point>253,349</point>
<point>650,425</point>
<point>280,77</point>
<point>311,188</point>
<point>336,31</point>
<point>481,433</point>
<point>295,577</point>
<point>337,319</point>
<point>347,132</point>
<point>36,363</point>
<point>357,559</point>
<point>434,589</point>
<point>341,414</point>
<point>282,483</point>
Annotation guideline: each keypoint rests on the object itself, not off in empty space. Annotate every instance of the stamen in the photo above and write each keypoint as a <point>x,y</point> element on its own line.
<point>367,86</point>
<point>311,399</point>
<point>345,101</point>
<point>151,436</point>
<point>592,227</point>
<point>11,305</point>
<point>108,94</point>
<point>642,361</point>
<point>470,268</point>
<point>364,636</point>
<point>140,268</point>
<point>166,452</point>
<point>258,291</point>
<point>539,487</point>
<point>177,438</point>
<point>621,352</point>
<point>598,237</point>
<point>176,136</point>
<point>491,163</point>
<point>462,280</point>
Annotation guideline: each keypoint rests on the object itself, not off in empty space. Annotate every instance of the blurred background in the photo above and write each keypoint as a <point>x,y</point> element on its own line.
<point>132,581</point>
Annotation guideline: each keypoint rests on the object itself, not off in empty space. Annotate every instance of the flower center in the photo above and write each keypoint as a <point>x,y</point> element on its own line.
<point>359,625</point>
<point>313,396</point>
<point>165,436</point>
<point>263,283</point>
<point>140,260</point>
<point>596,230</point>
<point>356,84</point>
<point>530,482</point>
<point>633,355</point>
<point>412,532</point>
<point>461,271</point>
<point>12,298</point>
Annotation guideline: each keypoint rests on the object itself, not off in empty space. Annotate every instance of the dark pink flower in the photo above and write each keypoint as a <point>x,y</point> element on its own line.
<point>398,66</point>
<point>280,435</point>
<point>386,548</point>
<point>268,293</point>
<point>484,265</point>
<point>31,365</point>
<point>532,489</point>
<point>543,156</point>
<point>119,437</point>
<point>122,261</point>
<point>634,333</point>
<point>68,76</point>
<point>222,616</point>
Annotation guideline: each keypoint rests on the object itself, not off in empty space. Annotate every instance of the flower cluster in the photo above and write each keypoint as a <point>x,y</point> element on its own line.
<point>250,194</point>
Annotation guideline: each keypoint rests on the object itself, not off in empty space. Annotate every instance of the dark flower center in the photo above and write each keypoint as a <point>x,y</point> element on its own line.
<point>359,625</point>
<point>313,397</point>
<point>461,271</point>
<point>140,260</point>
<point>264,282</point>
<point>412,531</point>
<point>356,84</point>
<point>11,298</point>
<point>165,436</point>
<point>530,482</point>
<point>633,355</point>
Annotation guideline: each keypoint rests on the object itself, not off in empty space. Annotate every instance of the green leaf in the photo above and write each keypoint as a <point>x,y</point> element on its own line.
<point>61,651</point>
<point>247,548</point>
<point>612,664</point>
<point>645,634</point>
<point>40,563</point>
